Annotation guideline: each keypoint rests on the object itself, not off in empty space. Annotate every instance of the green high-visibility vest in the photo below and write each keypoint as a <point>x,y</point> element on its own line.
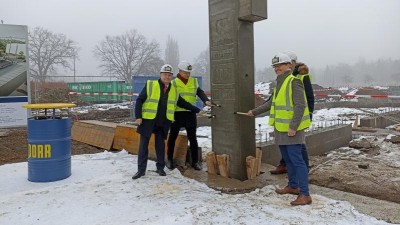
<point>149,110</point>
<point>187,91</point>
<point>281,113</point>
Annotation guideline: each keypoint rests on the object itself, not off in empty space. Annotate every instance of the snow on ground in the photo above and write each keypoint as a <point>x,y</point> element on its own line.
<point>262,88</point>
<point>101,191</point>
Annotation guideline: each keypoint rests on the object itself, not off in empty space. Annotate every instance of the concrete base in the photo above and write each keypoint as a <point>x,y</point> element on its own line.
<point>317,143</point>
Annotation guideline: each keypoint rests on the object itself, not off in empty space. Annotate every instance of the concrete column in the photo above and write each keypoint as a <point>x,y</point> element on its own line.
<point>232,78</point>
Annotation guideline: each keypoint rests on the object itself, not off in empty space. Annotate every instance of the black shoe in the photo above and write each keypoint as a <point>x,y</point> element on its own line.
<point>161,172</point>
<point>196,166</point>
<point>138,175</point>
<point>170,164</point>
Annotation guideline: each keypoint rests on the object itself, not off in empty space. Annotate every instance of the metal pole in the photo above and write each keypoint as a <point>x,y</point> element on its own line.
<point>74,67</point>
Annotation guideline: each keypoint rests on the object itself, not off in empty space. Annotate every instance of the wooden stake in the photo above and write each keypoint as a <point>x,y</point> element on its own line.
<point>212,165</point>
<point>355,125</point>
<point>223,164</point>
<point>250,167</point>
<point>258,158</point>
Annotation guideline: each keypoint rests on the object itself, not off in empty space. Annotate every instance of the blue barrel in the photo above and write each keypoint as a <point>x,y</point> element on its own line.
<point>49,149</point>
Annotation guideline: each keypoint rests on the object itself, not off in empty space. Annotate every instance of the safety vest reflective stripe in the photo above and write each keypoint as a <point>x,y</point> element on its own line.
<point>149,110</point>
<point>280,120</point>
<point>183,94</point>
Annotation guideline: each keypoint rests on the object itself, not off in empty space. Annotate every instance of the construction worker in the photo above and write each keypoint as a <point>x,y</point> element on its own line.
<point>290,116</point>
<point>154,112</point>
<point>188,88</point>
<point>301,71</point>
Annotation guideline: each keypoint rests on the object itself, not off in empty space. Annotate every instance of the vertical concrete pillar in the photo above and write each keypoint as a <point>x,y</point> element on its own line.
<point>232,78</point>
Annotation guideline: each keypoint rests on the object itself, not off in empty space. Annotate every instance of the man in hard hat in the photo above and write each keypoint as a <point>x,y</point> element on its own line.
<point>189,89</point>
<point>301,71</point>
<point>290,116</point>
<point>154,112</point>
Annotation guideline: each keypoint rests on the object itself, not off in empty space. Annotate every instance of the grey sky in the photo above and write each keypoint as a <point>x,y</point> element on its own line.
<point>321,32</point>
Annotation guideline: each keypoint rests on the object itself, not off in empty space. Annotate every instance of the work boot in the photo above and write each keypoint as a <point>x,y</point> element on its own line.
<point>138,175</point>
<point>302,200</point>
<point>196,166</point>
<point>170,164</point>
<point>161,172</point>
<point>288,190</point>
<point>280,169</point>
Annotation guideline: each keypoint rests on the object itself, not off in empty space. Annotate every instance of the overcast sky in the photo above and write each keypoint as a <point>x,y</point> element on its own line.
<point>320,32</point>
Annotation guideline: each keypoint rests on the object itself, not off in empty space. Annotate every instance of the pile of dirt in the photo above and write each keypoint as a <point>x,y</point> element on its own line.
<point>14,146</point>
<point>373,169</point>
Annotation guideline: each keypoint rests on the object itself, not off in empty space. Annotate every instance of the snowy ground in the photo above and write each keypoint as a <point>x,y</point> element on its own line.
<point>101,191</point>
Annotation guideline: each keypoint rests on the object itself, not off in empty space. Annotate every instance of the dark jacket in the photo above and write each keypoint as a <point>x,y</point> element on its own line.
<point>147,126</point>
<point>302,69</point>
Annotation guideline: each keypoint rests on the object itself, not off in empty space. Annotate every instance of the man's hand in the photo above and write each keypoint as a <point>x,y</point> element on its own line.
<point>250,113</point>
<point>138,121</point>
<point>208,103</point>
<point>203,113</point>
<point>291,133</point>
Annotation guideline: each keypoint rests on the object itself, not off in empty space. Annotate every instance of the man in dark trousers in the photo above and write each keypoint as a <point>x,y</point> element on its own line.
<point>189,89</point>
<point>154,112</point>
<point>300,70</point>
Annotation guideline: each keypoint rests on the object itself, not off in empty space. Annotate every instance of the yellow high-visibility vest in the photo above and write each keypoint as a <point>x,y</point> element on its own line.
<point>187,91</point>
<point>304,75</point>
<point>281,113</point>
<point>149,110</point>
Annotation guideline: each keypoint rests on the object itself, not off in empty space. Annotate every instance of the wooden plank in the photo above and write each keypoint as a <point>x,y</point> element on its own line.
<point>96,135</point>
<point>126,137</point>
<point>212,165</point>
<point>258,158</point>
<point>250,167</point>
<point>223,164</point>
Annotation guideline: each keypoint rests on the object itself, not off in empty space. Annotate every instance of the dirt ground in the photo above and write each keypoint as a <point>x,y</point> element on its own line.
<point>14,146</point>
<point>372,172</point>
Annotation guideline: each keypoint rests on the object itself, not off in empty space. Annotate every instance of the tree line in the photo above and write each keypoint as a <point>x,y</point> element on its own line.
<point>121,56</point>
<point>383,72</point>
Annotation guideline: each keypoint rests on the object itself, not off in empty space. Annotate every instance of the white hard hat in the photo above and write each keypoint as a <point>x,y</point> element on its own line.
<point>281,58</point>
<point>185,66</point>
<point>166,69</point>
<point>291,55</point>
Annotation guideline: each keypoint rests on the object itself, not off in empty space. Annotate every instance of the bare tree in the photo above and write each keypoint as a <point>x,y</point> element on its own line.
<point>172,53</point>
<point>201,67</point>
<point>49,50</point>
<point>264,75</point>
<point>126,55</point>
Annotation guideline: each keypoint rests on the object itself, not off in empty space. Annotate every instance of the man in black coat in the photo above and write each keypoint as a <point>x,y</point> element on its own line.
<point>157,118</point>
<point>188,88</point>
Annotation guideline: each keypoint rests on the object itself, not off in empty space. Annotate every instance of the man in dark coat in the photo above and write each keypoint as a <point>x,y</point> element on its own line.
<point>188,88</point>
<point>154,112</point>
